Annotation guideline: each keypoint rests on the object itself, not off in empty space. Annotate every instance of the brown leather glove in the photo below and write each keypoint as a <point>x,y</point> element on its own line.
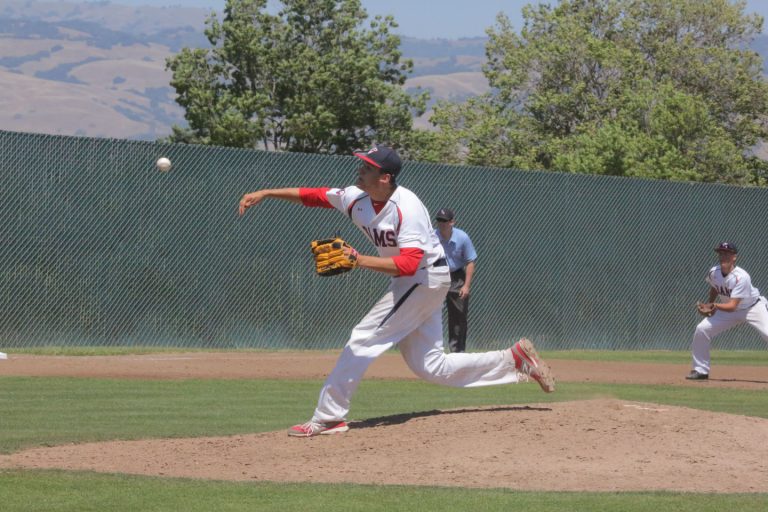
<point>705,309</point>
<point>331,258</point>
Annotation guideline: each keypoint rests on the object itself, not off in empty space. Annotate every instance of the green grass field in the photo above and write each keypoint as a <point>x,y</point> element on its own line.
<point>49,411</point>
<point>56,491</point>
<point>726,357</point>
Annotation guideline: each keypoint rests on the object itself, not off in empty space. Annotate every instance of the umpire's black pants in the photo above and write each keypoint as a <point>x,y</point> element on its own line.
<point>458,309</point>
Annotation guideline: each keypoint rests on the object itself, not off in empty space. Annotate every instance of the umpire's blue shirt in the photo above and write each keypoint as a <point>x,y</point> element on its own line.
<point>458,250</point>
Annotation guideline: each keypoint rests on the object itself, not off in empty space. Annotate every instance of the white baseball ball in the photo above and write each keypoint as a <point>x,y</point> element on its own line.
<point>163,164</point>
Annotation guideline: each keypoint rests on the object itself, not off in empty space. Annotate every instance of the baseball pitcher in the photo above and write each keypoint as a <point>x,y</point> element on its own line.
<point>396,222</point>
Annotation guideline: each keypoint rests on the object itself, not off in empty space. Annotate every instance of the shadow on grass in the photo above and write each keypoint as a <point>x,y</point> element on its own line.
<point>740,380</point>
<point>397,419</point>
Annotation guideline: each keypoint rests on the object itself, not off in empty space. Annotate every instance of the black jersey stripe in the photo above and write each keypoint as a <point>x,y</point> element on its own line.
<point>399,303</point>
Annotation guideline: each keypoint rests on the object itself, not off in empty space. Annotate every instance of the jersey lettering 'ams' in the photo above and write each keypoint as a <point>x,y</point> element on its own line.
<point>379,238</point>
<point>722,290</point>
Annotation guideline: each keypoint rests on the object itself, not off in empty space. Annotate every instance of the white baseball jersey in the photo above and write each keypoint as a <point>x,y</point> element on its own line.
<point>736,285</point>
<point>402,223</point>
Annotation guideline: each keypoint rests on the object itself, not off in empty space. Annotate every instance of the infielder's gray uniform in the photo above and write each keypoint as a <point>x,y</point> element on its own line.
<point>753,309</point>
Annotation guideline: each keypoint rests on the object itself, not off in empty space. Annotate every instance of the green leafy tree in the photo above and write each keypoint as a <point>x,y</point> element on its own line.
<point>309,78</point>
<point>648,88</point>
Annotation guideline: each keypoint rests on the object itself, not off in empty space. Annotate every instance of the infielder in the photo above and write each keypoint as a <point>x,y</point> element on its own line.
<point>741,302</point>
<point>410,313</point>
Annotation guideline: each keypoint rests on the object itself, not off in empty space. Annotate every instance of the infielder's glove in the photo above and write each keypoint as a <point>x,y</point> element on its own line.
<point>705,309</point>
<point>331,258</point>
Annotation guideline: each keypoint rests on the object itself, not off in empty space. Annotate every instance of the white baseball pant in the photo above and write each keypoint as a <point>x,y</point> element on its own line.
<point>756,316</point>
<point>409,315</point>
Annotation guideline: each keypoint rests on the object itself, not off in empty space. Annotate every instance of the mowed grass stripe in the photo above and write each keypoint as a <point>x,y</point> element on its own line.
<point>42,411</point>
<point>724,357</point>
<point>58,491</point>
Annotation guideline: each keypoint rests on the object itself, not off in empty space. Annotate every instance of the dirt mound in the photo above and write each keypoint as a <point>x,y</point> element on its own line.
<point>594,445</point>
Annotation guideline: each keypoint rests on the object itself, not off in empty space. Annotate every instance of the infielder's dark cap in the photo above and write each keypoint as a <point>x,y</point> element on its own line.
<point>726,247</point>
<point>445,214</point>
<point>382,157</point>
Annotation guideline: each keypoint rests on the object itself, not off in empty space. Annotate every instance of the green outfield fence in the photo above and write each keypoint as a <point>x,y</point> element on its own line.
<point>101,249</point>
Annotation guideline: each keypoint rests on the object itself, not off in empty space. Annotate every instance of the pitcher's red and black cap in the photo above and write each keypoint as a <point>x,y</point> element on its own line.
<point>382,157</point>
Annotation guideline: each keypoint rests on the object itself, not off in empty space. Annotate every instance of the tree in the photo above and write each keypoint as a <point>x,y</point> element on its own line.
<point>307,79</point>
<point>646,88</point>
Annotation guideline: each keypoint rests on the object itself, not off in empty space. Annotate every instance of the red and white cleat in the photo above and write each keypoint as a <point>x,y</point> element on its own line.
<point>527,361</point>
<point>312,428</point>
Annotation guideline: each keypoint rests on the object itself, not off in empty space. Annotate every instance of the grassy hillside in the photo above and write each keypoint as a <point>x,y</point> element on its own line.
<point>98,69</point>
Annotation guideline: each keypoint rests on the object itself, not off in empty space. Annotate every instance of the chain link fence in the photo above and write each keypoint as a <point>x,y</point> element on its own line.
<point>101,249</point>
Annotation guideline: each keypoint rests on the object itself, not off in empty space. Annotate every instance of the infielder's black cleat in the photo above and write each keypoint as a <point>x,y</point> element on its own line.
<point>694,375</point>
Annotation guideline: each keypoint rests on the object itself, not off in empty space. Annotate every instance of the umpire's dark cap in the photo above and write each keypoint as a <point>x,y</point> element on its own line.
<point>445,214</point>
<point>726,247</point>
<point>382,157</point>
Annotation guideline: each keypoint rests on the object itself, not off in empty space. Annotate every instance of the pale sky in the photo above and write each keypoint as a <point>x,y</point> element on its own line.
<point>431,19</point>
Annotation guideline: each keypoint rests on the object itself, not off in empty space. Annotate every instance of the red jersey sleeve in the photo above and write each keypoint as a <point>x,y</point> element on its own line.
<point>407,262</point>
<point>315,197</point>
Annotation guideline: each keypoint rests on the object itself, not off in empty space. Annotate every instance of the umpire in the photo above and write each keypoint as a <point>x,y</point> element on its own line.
<point>461,257</point>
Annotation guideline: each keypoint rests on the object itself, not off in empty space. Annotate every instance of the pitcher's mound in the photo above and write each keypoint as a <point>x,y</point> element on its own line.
<point>593,445</point>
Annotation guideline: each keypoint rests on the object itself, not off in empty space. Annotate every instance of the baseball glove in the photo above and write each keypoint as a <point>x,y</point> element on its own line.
<point>705,309</point>
<point>333,256</point>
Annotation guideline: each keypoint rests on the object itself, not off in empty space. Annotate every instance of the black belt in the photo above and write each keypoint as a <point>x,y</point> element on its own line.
<point>442,262</point>
<point>755,304</point>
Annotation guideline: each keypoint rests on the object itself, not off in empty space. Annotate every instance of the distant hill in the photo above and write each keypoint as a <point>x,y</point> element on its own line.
<point>106,24</point>
<point>444,56</point>
<point>98,69</point>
